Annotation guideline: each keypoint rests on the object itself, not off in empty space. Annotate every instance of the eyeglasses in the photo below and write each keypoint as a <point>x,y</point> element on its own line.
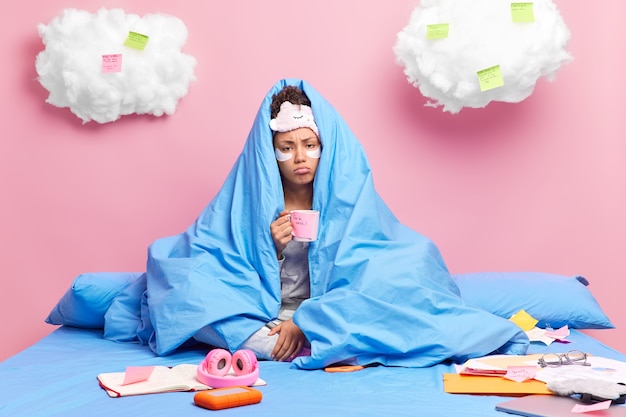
<point>573,357</point>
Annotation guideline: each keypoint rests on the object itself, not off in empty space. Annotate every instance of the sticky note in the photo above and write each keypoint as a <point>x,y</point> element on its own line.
<point>438,31</point>
<point>112,63</point>
<point>522,12</point>
<point>520,373</point>
<point>524,320</point>
<point>136,41</point>
<point>490,78</point>
<point>136,374</point>
<point>559,334</point>
<point>582,408</point>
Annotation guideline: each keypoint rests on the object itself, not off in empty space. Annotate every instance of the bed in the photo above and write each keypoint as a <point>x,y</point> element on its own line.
<point>57,375</point>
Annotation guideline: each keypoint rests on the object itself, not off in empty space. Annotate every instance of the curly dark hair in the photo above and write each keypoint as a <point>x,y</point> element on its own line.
<point>289,93</point>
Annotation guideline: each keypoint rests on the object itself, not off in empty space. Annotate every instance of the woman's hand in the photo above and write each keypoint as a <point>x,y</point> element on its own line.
<point>281,232</point>
<point>290,341</point>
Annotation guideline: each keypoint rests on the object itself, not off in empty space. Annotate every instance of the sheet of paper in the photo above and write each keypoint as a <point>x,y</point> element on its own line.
<point>603,369</point>
<point>502,362</point>
<point>537,334</point>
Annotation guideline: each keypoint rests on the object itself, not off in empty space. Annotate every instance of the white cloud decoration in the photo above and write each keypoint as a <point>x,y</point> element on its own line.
<point>450,48</point>
<point>110,64</point>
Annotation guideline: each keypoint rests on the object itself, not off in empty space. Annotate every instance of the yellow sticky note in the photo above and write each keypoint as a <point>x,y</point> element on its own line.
<point>489,78</point>
<point>136,40</point>
<point>438,31</point>
<point>524,320</point>
<point>522,12</point>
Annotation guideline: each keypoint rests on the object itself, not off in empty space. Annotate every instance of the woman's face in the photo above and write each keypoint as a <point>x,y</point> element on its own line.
<point>298,153</point>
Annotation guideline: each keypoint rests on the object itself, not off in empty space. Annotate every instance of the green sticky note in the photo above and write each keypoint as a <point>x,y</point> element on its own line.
<point>490,78</point>
<point>438,31</point>
<point>136,40</point>
<point>522,12</point>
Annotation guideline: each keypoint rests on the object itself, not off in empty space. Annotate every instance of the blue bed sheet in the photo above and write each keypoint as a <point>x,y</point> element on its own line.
<point>380,291</point>
<point>56,377</point>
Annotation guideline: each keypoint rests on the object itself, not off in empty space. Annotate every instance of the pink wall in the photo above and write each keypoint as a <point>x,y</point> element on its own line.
<point>539,185</point>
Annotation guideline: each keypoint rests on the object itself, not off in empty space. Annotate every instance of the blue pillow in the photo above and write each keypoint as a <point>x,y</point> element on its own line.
<point>123,321</point>
<point>91,294</point>
<point>554,300</point>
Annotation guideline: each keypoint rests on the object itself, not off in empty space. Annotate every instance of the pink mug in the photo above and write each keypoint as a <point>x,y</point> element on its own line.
<point>305,225</point>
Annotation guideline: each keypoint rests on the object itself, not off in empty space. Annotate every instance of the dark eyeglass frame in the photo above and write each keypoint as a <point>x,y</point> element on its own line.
<point>564,359</point>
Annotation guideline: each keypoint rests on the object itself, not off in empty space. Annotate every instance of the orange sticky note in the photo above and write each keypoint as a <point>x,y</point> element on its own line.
<point>343,368</point>
<point>136,374</point>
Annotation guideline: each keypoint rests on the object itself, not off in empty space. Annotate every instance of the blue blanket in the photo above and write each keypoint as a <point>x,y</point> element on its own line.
<point>380,292</point>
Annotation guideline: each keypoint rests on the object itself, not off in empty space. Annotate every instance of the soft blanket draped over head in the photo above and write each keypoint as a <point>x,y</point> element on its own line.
<point>380,292</point>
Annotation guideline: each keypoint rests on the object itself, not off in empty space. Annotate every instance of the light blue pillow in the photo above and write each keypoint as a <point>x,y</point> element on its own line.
<point>123,321</point>
<point>552,299</point>
<point>85,303</point>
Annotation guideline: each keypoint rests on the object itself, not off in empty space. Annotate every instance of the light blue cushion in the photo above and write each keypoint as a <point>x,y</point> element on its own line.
<point>123,320</point>
<point>552,299</point>
<point>91,294</point>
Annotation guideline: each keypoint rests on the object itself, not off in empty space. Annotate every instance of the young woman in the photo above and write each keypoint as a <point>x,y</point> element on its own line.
<point>298,149</point>
<point>368,290</point>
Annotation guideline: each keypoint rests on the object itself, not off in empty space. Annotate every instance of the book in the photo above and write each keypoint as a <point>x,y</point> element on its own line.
<point>497,365</point>
<point>154,380</point>
<point>475,384</point>
<point>492,375</point>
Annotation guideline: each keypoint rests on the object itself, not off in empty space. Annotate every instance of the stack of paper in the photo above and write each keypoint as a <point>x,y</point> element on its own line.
<point>521,374</point>
<point>497,374</point>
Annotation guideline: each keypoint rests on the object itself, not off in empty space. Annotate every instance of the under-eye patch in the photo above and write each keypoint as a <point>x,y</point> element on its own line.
<point>281,156</point>
<point>315,153</point>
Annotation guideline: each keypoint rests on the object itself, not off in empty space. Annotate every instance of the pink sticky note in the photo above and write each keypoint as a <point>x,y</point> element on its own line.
<point>583,408</point>
<point>520,373</point>
<point>559,334</point>
<point>136,374</point>
<point>112,63</point>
